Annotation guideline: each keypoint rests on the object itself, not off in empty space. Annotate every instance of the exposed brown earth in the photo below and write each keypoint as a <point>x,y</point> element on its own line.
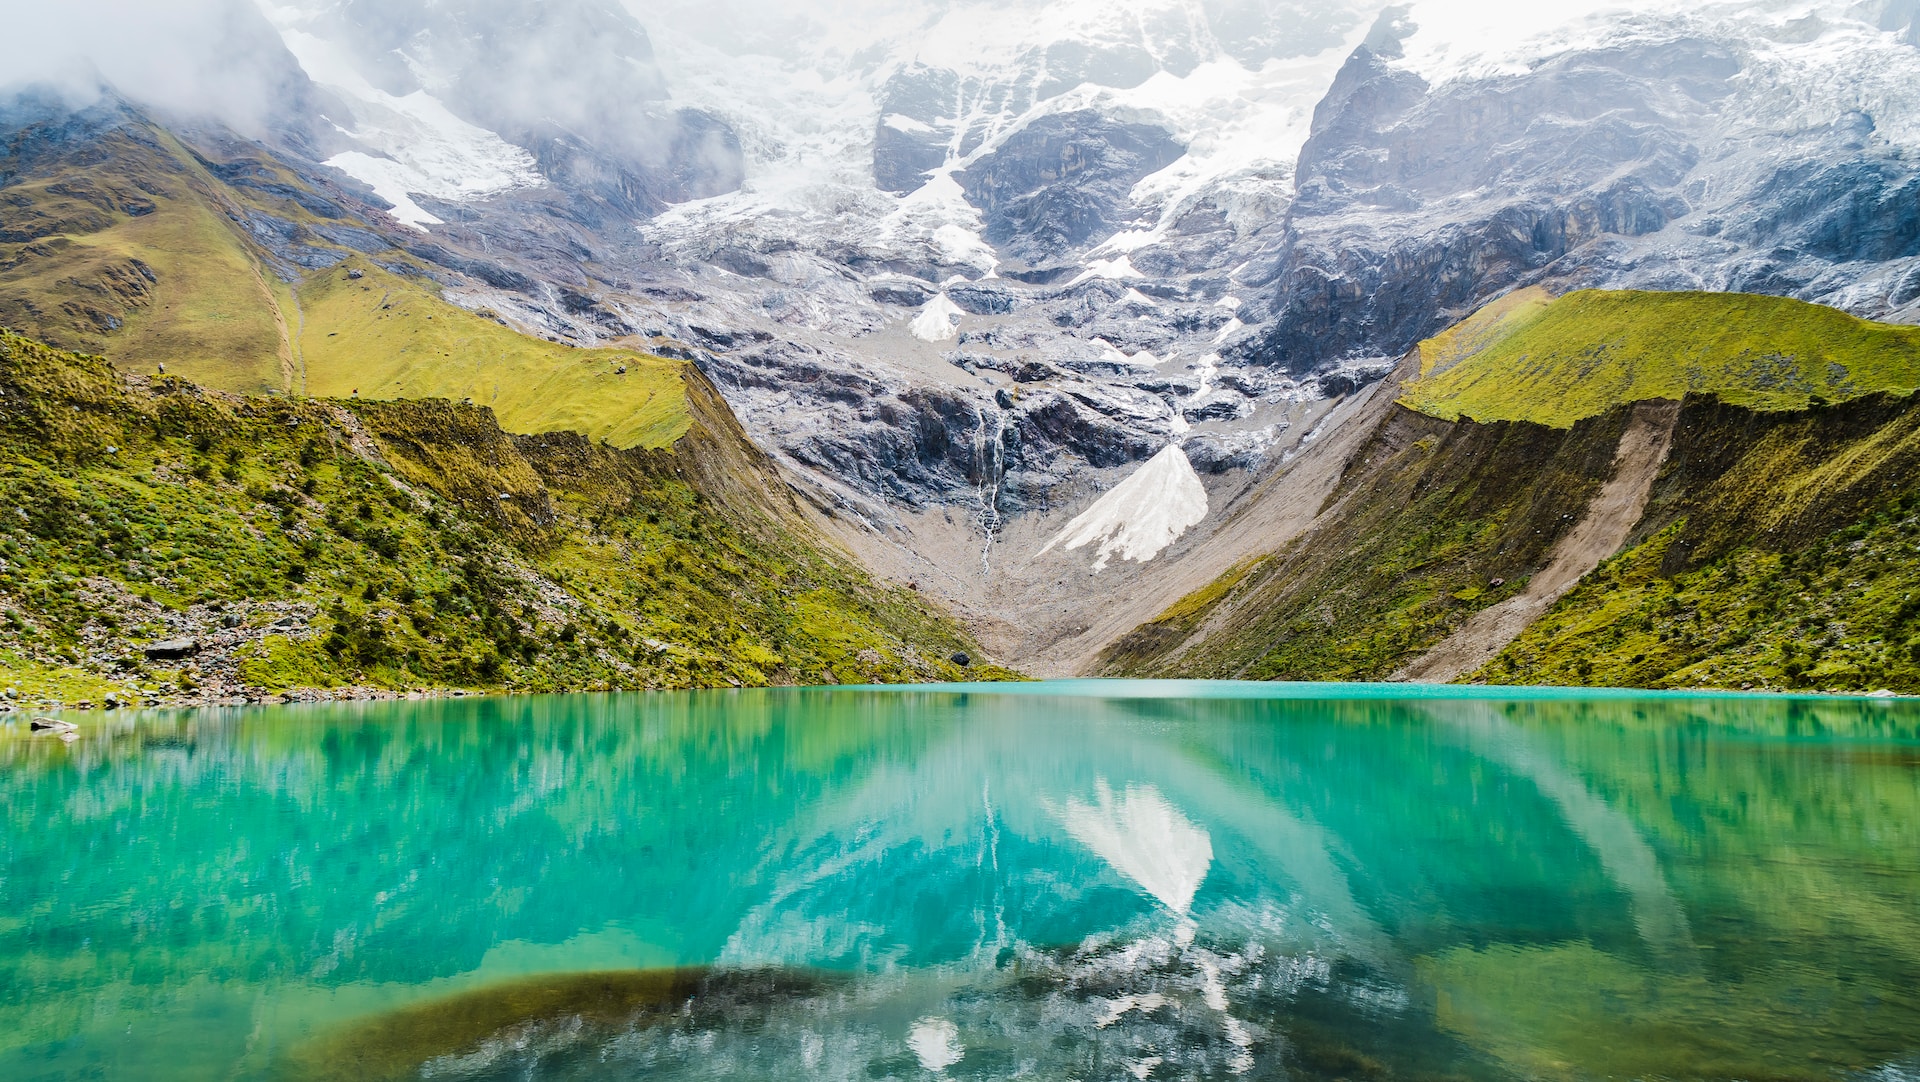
<point>1606,527</point>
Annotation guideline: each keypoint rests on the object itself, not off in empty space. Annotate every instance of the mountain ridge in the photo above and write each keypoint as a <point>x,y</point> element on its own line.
<point>1455,547</point>
<point>172,544</point>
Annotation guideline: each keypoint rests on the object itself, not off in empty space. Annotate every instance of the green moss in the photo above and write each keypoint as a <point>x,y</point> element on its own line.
<point>409,545</point>
<point>1418,534</point>
<point>64,683</point>
<point>1839,614</point>
<point>384,336</point>
<point>1525,359</point>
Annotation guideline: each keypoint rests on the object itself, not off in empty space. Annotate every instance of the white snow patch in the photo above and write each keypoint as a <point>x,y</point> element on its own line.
<point>414,144</point>
<point>1118,269</point>
<point>935,1043</point>
<point>1208,368</point>
<point>1233,327</point>
<point>1231,304</point>
<point>939,211</point>
<point>1142,515</point>
<point>1145,838</point>
<point>903,123</point>
<point>938,321</point>
<point>1109,351</point>
<point>1134,296</point>
<point>1129,241</point>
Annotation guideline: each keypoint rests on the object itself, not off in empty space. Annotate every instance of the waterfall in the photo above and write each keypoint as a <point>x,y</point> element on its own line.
<point>990,463</point>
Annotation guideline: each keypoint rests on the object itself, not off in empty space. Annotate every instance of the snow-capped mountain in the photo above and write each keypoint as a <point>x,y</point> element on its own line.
<point>966,265</point>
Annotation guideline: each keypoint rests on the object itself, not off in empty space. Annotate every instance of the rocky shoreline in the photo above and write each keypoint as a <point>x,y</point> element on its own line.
<point>14,709</point>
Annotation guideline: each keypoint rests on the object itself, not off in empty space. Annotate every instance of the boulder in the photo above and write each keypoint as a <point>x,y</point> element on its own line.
<point>961,660</point>
<point>171,649</point>
<point>53,725</point>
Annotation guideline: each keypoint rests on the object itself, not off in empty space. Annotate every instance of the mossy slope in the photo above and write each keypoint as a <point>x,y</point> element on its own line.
<point>316,543</point>
<point>1778,553</point>
<point>368,331</point>
<point>116,240</point>
<point>1527,358</point>
<point>1429,515</point>
<point>1774,551</point>
<point>224,266</point>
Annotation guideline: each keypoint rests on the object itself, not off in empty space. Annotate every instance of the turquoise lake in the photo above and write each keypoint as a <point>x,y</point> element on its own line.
<point>1068,881</point>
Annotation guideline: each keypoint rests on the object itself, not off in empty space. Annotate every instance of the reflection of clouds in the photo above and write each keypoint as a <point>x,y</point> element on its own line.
<point>1145,838</point>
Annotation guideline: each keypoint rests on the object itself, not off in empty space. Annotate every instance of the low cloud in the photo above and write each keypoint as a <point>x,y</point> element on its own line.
<point>217,58</point>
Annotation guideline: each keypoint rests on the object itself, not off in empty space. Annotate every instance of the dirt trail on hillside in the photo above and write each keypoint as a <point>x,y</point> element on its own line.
<point>1609,521</point>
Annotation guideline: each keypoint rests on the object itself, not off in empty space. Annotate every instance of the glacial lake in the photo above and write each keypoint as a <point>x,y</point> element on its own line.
<point>1090,881</point>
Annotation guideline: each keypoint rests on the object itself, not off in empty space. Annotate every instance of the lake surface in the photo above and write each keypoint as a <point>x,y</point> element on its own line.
<point>1069,881</point>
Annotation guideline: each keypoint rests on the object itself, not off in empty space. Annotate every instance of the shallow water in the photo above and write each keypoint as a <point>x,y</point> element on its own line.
<point>1071,881</point>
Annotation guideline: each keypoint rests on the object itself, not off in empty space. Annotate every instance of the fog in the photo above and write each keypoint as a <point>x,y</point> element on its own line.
<point>195,57</point>
<point>778,72</point>
<point>223,57</point>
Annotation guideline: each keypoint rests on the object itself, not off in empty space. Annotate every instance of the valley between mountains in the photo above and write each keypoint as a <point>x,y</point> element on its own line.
<point>1257,343</point>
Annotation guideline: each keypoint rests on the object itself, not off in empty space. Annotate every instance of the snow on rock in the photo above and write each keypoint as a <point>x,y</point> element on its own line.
<point>899,122</point>
<point>938,321</point>
<point>1118,269</point>
<point>414,145</point>
<point>1143,514</point>
<point>940,213</point>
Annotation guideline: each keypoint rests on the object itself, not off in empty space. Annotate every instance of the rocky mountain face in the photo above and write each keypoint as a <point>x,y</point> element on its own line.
<point>961,268</point>
<point>573,83</point>
<point>1675,153</point>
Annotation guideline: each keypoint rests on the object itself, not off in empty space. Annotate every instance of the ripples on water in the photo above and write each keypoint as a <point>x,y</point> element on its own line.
<point>1085,882</point>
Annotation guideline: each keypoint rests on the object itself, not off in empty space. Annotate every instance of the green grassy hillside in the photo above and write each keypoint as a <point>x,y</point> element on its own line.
<point>1775,550</point>
<point>133,246</point>
<point>385,336</point>
<point>1429,518</point>
<point>310,543</point>
<point>1553,362</point>
<point>125,246</point>
<point>1778,553</point>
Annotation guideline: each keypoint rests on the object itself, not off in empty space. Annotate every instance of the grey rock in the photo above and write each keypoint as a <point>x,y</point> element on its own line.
<point>1064,180</point>
<point>171,649</point>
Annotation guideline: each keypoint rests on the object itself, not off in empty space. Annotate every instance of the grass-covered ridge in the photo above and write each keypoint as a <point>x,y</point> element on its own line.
<point>310,543</point>
<point>1555,362</point>
<point>1778,553</point>
<point>370,331</point>
<point>120,240</point>
<point>124,246</point>
<point>1435,522</point>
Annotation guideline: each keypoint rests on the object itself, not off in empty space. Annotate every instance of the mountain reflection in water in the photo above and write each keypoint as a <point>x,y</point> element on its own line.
<point>1088,881</point>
